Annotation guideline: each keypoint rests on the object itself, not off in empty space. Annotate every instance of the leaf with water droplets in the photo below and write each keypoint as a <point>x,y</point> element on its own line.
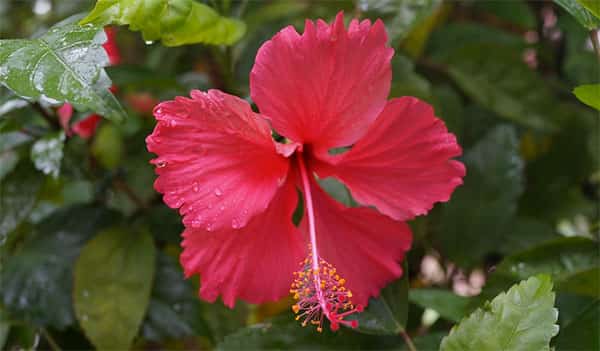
<point>521,319</point>
<point>18,194</point>
<point>47,153</point>
<point>37,280</point>
<point>65,65</point>
<point>175,22</point>
<point>112,283</point>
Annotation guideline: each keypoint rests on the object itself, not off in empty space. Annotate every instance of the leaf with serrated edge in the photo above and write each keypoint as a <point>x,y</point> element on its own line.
<point>174,22</point>
<point>521,319</point>
<point>113,279</point>
<point>63,65</point>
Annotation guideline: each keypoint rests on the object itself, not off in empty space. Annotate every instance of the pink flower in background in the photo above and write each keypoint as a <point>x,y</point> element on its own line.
<point>86,127</point>
<point>236,188</point>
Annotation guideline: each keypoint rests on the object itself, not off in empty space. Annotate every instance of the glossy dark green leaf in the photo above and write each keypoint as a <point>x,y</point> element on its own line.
<point>65,64</point>
<point>407,82</point>
<point>400,16</point>
<point>284,333</point>
<point>504,84</point>
<point>18,194</point>
<point>112,282</point>
<point>581,14</point>
<point>589,94</point>
<point>174,22</point>
<point>37,280</point>
<point>583,332</point>
<point>523,318</point>
<point>174,311</point>
<point>47,153</point>
<point>444,302</point>
<point>525,233</point>
<point>475,221</point>
<point>567,260</point>
<point>386,314</point>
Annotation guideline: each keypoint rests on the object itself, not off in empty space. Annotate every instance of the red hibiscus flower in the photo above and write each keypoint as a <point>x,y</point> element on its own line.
<point>86,127</point>
<point>236,188</point>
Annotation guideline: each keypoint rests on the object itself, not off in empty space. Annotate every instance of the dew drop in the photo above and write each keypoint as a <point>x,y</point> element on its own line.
<point>148,42</point>
<point>195,187</point>
<point>218,192</point>
<point>222,207</point>
<point>86,293</point>
<point>209,227</point>
<point>235,223</point>
<point>172,123</point>
<point>161,164</point>
<point>84,317</point>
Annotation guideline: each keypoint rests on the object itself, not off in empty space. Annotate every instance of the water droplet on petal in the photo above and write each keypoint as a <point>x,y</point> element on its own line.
<point>161,164</point>
<point>218,192</point>
<point>195,187</point>
<point>172,123</point>
<point>235,223</point>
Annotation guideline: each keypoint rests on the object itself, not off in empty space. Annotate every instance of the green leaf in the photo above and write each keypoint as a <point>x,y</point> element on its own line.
<point>474,223</point>
<point>108,146</point>
<point>112,283</point>
<point>589,94</point>
<point>400,16</point>
<point>581,14</point>
<point>591,5</point>
<point>504,84</point>
<point>47,153</point>
<point>387,314</point>
<point>516,12</point>
<point>37,280</point>
<point>65,64</point>
<point>407,81</point>
<point>567,260</point>
<point>175,22</point>
<point>523,318</point>
<point>284,333</point>
<point>582,333</point>
<point>8,162</point>
<point>444,302</point>
<point>18,194</point>
<point>174,311</point>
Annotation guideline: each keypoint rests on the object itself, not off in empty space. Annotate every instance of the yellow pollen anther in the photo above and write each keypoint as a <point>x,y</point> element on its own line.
<point>296,308</point>
<point>342,281</point>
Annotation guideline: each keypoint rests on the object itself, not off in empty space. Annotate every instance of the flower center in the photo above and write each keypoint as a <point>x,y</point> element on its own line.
<point>320,291</point>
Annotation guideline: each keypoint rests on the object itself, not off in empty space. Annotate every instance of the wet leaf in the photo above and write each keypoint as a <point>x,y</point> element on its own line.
<point>47,153</point>
<point>65,65</point>
<point>18,194</point>
<point>523,318</point>
<point>174,22</point>
<point>37,281</point>
<point>112,283</point>
<point>174,311</point>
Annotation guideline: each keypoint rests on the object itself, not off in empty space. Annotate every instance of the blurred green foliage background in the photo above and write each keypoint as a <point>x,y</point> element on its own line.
<point>89,253</point>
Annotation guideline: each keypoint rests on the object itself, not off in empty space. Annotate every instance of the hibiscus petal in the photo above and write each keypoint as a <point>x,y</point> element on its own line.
<point>326,86</point>
<point>216,159</point>
<point>403,164</point>
<point>364,246</point>
<point>254,263</point>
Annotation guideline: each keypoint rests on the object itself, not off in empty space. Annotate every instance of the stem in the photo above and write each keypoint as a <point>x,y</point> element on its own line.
<point>595,42</point>
<point>310,213</point>
<point>122,185</point>
<point>53,345</point>
<point>407,340</point>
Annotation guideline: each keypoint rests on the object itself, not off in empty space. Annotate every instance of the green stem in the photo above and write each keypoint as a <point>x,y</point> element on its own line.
<point>407,340</point>
<point>53,345</point>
